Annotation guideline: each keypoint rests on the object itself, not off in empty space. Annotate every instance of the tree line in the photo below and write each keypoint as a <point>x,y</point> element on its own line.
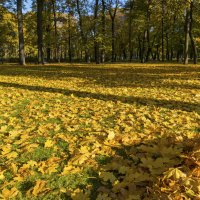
<point>100,30</point>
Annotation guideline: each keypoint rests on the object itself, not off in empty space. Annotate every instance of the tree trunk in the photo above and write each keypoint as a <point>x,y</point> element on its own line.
<point>55,31</point>
<point>96,43</point>
<point>194,49</point>
<point>113,39</point>
<point>140,48</point>
<point>144,49</point>
<point>69,38</point>
<point>148,31</point>
<point>20,33</point>
<point>112,13</point>
<point>40,4</point>
<point>163,53</point>
<point>187,36</point>
<point>167,47</point>
<point>130,31</point>
<point>103,19</point>
<point>48,32</point>
<point>83,36</point>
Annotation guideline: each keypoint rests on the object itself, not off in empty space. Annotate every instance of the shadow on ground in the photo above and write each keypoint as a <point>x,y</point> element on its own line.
<point>141,168</point>
<point>170,104</point>
<point>122,76</point>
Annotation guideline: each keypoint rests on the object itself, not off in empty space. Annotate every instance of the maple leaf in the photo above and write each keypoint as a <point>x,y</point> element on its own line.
<point>174,173</point>
<point>111,135</point>
<point>107,176</point>
<point>9,194</point>
<point>39,187</point>
<point>48,144</point>
<point>2,177</point>
<point>80,194</point>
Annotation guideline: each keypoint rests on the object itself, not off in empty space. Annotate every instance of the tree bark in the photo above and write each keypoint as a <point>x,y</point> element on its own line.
<point>57,56</point>
<point>96,43</point>
<point>167,47</point>
<point>148,30</point>
<point>83,36</point>
<point>162,23</point>
<point>113,40</point>
<point>103,19</point>
<point>69,38</point>
<point>48,32</point>
<point>130,47</point>
<point>20,33</point>
<point>112,13</point>
<point>187,36</point>
<point>40,5</point>
<point>194,49</point>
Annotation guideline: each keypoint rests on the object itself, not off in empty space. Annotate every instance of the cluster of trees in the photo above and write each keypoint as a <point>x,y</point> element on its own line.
<point>100,30</point>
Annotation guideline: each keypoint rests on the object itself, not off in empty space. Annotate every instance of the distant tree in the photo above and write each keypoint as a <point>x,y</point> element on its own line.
<point>20,32</point>
<point>113,6</point>
<point>96,42</point>
<point>83,33</point>
<point>40,5</point>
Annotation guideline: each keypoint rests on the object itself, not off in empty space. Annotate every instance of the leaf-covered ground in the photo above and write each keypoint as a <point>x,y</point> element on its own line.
<point>100,132</point>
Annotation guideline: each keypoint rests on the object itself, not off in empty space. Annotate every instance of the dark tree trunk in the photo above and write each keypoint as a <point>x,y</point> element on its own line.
<point>57,56</point>
<point>103,19</point>
<point>69,38</point>
<point>167,48</point>
<point>112,13</point>
<point>96,43</point>
<point>70,14</point>
<point>130,47</point>
<point>172,54</point>
<point>48,31</point>
<point>20,33</point>
<point>144,48</point>
<point>148,31</point>
<point>140,48</point>
<point>157,52</point>
<point>113,39</point>
<point>194,49</point>
<point>187,36</point>
<point>83,36</point>
<point>162,23</point>
<point>40,4</point>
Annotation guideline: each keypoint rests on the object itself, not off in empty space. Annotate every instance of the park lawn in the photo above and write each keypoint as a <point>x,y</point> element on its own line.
<point>120,131</point>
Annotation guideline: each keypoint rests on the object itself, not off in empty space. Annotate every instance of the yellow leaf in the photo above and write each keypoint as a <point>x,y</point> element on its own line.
<point>39,187</point>
<point>111,135</point>
<point>6,149</point>
<point>14,167</point>
<point>84,149</point>
<point>70,169</point>
<point>67,170</point>
<point>52,169</point>
<point>3,128</point>
<point>31,147</point>
<point>12,154</point>
<point>79,195</point>
<point>2,177</point>
<point>14,133</point>
<point>48,144</point>
<point>174,173</point>
<point>8,194</point>
<point>32,163</point>
<point>18,178</point>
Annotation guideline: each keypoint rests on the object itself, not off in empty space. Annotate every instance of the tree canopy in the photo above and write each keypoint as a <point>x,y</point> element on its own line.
<point>100,30</point>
